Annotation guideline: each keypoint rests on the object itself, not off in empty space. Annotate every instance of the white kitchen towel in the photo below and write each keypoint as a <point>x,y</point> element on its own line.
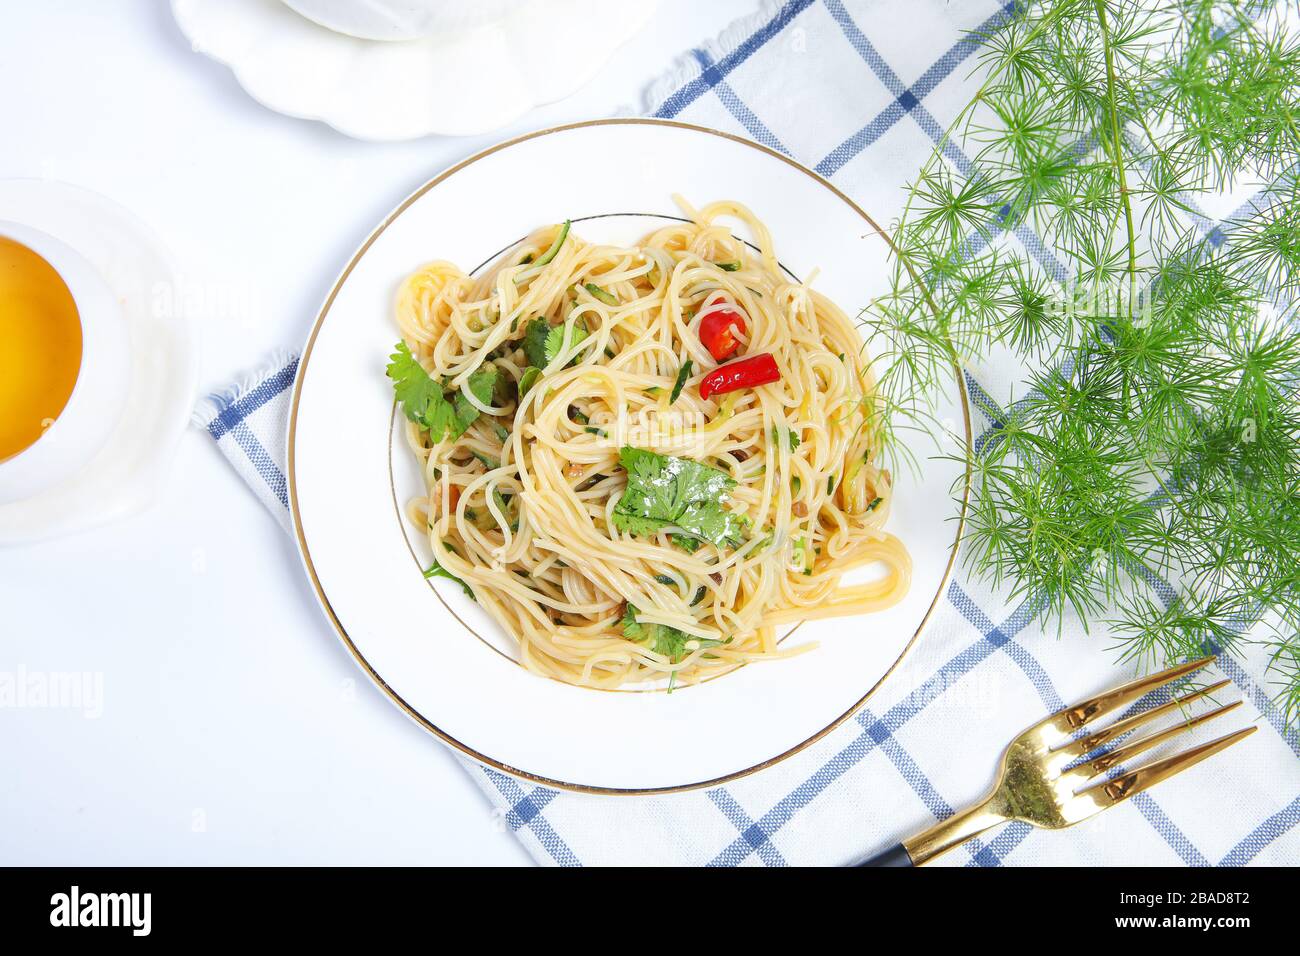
<point>860,91</point>
<point>248,422</point>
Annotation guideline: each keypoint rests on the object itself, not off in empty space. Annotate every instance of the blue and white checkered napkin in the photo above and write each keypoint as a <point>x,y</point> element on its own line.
<point>859,91</point>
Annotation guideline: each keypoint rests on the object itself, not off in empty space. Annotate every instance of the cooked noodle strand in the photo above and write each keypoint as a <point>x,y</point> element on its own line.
<point>520,507</point>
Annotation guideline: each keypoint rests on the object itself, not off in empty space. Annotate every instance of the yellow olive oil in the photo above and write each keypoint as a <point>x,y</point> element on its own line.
<point>40,346</point>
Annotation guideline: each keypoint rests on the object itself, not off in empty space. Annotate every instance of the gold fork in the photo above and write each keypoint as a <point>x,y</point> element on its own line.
<point>1034,784</point>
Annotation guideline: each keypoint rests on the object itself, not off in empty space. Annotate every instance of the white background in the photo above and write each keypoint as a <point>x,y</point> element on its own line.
<point>235,727</point>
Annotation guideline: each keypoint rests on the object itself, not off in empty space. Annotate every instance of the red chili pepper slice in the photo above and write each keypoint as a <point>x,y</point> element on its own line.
<point>715,332</point>
<point>744,373</point>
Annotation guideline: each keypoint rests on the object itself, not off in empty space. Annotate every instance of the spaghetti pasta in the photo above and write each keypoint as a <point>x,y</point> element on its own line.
<point>621,526</point>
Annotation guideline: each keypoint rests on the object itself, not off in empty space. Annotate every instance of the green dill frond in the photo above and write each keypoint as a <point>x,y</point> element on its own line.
<point>1156,435</point>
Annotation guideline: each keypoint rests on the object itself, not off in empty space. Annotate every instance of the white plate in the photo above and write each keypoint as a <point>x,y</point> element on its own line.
<point>479,75</point>
<point>347,475</point>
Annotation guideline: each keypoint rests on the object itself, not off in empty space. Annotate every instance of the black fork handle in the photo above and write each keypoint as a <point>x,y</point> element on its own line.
<point>896,855</point>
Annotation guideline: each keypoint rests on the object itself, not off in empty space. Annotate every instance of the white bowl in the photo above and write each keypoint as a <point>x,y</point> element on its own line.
<point>401,19</point>
<point>100,392</point>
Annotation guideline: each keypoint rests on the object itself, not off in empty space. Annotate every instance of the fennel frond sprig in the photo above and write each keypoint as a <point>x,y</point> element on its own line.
<point>1146,474</point>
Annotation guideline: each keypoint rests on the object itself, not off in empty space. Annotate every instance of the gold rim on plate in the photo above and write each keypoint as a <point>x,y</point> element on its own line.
<point>305,551</point>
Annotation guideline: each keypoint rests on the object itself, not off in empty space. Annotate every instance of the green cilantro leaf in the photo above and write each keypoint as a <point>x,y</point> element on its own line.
<point>436,570</point>
<point>660,638</point>
<point>535,342</point>
<point>412,384</point>
<point>440,419</point>
<point>528,379</point>
<point>685,542</point>
<point>642,527</point>
<point>543,341</point>
<point>483,384</point>
<point>425,401</point>
<point>792,437</point>
<point>421,396</point>
<point>663,491</point>
<point>555,342</point>
<point>631,629</point>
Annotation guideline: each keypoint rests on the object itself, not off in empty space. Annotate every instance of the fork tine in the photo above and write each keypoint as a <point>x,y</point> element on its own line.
<point>1110,792</point>
<point>1072,718</point>
<point>1086,745</point>
<point>1118,755</point>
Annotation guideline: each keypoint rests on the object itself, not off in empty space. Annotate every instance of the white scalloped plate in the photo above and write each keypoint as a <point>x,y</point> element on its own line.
<point>416,639</point>
<point>466,81</point>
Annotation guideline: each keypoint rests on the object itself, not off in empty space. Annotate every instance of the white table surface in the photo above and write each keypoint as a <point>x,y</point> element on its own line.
<point>235,728</point>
